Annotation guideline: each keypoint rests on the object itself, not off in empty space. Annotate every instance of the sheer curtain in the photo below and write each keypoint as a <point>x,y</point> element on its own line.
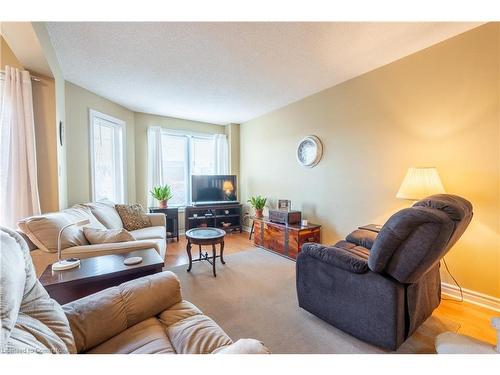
<point>221,154</point>
<point>156,170</point>
<point>18,174</point>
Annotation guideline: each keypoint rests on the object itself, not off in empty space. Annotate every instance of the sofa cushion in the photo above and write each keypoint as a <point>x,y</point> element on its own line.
<point>99,236</point>
<point>132,216</point>
<point>149,233</point>
<point>146,337</point>
<point>104,210</point>
<point>43,230</point>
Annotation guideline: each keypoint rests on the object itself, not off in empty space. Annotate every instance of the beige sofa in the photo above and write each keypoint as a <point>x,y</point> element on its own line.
<point>41,232</point>
<point>146,315</point>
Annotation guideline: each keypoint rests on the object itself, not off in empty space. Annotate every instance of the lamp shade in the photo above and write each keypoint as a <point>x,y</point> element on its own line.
<point>420,183</point>
<point>227,186</point>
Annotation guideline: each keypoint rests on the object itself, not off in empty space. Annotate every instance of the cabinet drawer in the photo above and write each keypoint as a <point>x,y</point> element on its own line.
<point>309,236</point>
<point>274,238</point>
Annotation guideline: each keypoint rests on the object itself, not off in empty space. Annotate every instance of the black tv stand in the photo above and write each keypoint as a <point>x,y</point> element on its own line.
<point>225,216</point>
<point>204,204</point>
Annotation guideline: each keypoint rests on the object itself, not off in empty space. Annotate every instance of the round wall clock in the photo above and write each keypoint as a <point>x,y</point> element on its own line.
<point>309,151</point>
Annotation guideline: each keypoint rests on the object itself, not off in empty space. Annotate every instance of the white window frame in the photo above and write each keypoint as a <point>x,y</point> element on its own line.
<point>117,124</point>
<point>189,150</point>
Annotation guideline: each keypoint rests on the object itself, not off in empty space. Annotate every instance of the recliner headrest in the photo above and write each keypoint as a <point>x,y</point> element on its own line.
<point>457,208</point>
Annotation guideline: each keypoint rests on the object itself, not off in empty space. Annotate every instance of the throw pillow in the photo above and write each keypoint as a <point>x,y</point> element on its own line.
<point>98,236</point>
<point>133,216</point>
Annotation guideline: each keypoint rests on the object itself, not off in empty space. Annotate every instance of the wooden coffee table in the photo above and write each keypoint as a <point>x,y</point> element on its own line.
<point>98,273</point>
<point>206,236</point>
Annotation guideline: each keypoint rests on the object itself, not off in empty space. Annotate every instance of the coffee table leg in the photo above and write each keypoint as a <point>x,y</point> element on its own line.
<point>214,253</point>
<point>222,252</point>
<point>188,249</point>
<point>199,248</point>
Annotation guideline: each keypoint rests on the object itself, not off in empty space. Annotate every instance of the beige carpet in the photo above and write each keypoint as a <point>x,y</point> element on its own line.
<point>254,296</point>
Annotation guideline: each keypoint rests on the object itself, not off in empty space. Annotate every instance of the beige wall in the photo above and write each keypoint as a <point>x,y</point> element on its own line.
<point>233,138</point>
<point>44,111</point>
<point>60,115</point>
<point>438,107</point>
<point>7,57</point>
<point>78,103</point>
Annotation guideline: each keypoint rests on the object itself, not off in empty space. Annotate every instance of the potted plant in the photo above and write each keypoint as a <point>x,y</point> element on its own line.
<point>258,203</point>
<point>162,193</point>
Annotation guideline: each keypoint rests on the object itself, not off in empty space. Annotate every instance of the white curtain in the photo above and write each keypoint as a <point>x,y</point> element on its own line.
<point>18,174</point>
<point>221,154</point>
<point>156,170</point>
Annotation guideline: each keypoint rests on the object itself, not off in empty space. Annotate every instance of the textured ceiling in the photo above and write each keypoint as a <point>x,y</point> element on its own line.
<point>229,72</point>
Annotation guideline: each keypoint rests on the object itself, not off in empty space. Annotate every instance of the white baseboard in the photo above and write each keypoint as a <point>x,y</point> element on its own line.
<point>471,296</point>
<point>246,229</point>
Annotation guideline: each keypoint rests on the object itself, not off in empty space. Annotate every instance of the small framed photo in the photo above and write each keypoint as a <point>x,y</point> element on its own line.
<point>284,204</point>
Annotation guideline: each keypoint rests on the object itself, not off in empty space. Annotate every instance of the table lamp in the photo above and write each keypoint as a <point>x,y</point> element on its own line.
<point>228,187</point>
<point>420,183</point>
<point>66,264</point>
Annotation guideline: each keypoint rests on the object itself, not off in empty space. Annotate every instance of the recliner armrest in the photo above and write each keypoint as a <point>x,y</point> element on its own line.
<point>362,237</point>
<point>335,256</point>
<point>100,316</point>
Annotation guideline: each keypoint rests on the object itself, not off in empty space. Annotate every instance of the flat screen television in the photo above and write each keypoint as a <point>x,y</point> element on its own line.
<point>211,189</point>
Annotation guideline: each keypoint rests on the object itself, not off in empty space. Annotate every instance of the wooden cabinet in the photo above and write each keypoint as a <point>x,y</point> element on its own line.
<point>286,240</point>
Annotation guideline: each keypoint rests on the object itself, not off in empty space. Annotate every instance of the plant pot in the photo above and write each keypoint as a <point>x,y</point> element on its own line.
<point>163,203</point>
<point>258,214</point>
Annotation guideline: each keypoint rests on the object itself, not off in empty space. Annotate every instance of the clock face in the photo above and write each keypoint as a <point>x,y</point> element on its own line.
<point>309,151</point>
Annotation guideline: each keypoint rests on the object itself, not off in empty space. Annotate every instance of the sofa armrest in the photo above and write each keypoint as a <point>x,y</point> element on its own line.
<point>87,251</point>
<point>157,219</point>
<point>335,256</point>
<point>244,346</point>
<point>100,316</point>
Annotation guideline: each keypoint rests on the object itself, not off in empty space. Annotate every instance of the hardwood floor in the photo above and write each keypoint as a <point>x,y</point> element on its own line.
<point>473,320</point>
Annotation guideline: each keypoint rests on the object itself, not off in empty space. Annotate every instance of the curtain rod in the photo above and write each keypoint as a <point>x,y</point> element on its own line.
<point>34,78</point>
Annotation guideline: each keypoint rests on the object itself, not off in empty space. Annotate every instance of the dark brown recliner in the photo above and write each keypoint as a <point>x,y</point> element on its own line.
<point>381,288</point>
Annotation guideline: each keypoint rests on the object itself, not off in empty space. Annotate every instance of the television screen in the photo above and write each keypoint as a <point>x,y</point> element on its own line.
<point>213,189</point>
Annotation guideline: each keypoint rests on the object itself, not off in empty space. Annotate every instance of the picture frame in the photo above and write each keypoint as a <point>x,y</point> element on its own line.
<point>284,204</point>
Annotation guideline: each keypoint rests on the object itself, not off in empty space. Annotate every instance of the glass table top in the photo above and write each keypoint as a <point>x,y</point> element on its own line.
<point>205,233</point>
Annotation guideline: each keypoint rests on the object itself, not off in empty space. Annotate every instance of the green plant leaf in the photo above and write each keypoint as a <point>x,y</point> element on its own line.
<point>258,202</point>
<point>162,192</point>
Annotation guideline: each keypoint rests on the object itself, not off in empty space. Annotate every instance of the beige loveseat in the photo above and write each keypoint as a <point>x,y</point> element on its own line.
<point>40,232</point>
<point>146,315</point>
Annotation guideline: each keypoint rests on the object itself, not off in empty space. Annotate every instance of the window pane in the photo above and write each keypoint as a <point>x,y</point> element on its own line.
<point>108,160</point>
<point>203,156</point>
<point>174,157</point>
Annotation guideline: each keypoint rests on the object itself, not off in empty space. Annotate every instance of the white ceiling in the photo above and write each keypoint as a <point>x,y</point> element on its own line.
<point>229,72</point>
